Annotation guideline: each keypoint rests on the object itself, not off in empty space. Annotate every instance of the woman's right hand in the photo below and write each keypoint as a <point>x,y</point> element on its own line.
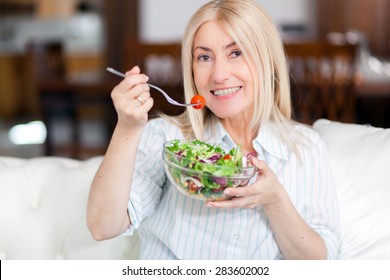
<point>132,100</point>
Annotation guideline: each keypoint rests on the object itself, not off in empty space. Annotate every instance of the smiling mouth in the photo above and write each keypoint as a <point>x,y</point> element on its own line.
<point>227,91</point>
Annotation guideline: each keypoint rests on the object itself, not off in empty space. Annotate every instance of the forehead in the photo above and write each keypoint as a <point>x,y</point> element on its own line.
<point>212,33</point>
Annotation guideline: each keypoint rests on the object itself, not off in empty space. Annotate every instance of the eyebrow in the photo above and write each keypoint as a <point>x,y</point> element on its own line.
<point>228,46</point>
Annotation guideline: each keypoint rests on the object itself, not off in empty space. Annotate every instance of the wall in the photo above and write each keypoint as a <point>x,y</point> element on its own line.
<point>166,20</point>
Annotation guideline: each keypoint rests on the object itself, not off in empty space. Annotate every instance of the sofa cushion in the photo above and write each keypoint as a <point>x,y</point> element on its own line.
<point>360,160</point>
<point>43,205</point>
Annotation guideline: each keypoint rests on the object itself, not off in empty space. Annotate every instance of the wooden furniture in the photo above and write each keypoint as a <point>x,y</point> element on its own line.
<point>46,64</point>
<point>372,17</point>
<point>322,81</point>
<point>122,23</point>
<point>161,62</point>
<point>67,96</point>
<point>14,97</point>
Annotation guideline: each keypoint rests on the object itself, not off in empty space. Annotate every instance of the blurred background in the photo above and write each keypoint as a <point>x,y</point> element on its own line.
<point>55,92</point>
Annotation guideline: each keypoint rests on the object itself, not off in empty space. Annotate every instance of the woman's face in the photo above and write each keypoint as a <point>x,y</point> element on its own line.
<point>221,73</point>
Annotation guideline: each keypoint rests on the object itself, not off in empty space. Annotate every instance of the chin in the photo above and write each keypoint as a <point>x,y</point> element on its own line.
<point>226,113</point>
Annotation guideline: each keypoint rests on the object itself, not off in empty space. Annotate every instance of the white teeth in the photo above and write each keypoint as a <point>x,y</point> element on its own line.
<point>222,92</point>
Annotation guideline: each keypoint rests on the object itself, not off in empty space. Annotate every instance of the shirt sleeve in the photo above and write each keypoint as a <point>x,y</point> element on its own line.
<point>149,176</point>
<point>321,208</point>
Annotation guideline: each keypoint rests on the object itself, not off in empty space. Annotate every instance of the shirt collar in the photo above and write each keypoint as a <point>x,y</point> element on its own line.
<point>267,141</point>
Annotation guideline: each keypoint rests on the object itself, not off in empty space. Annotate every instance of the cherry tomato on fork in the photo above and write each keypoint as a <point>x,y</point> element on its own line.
<point>199,100</point>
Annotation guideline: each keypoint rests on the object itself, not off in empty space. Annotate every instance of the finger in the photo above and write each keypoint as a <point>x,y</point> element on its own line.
<point>134,70</point>
<point>261,165</point>
<point>222,204</point>
<point>236,202</point>
<point>135,79</point>
<point>132,86</point>
<point>140,99</point>
<point>144,95</point>
<point>239,191</point>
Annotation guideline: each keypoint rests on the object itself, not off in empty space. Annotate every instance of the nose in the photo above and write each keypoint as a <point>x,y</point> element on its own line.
<point>221,70</point>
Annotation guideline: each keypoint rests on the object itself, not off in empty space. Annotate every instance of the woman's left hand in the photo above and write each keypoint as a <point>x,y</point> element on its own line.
<point>266,191</point>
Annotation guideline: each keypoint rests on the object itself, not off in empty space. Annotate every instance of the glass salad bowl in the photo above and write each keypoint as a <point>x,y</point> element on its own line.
<point>202,170</point>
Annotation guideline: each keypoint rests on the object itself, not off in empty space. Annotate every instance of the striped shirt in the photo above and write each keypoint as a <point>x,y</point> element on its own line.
<point>174,226</point>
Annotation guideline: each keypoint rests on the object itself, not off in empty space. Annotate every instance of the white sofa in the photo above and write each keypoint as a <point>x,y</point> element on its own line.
<point>43,201</point>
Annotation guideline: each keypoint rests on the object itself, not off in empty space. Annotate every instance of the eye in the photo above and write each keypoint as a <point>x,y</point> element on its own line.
<point>236,53</point>
<point>203,57</point>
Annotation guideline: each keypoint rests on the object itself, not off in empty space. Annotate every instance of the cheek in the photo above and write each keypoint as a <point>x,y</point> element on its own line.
<point>200,77</point>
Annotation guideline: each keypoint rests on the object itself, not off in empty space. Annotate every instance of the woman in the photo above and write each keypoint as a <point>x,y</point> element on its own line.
<point>233,56</point>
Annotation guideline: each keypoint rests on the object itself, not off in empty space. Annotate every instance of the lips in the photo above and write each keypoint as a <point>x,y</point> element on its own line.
<point>226,91</point>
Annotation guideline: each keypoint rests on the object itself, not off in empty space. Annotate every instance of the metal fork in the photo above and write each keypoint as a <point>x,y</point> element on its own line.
<point>169,99</point>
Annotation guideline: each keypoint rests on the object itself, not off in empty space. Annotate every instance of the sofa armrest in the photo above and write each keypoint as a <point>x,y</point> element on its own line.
<point>360,161</point>
<point>43,211</point>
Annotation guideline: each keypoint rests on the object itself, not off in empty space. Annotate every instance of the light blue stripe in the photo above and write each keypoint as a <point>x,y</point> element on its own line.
<point>204,235</point>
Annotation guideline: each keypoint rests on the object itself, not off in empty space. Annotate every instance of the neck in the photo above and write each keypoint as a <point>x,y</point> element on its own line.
<point>241,134</point>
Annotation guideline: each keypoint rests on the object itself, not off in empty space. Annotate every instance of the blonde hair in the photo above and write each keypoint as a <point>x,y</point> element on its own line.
<point>254,32</point>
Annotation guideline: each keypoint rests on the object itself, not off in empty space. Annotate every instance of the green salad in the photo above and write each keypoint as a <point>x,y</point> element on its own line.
<point>206,169</point>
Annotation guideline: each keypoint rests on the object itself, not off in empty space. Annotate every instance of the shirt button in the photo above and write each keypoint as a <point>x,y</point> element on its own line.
<point>236,236</point>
